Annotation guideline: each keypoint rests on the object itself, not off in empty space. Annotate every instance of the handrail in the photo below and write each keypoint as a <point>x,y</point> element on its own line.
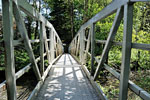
<point>53,44</point>
<point>20,72</point>
<point>77,47</point>
<point>109,10</point>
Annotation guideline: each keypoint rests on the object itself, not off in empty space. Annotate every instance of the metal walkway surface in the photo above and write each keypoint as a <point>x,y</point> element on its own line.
<point>66,81</point>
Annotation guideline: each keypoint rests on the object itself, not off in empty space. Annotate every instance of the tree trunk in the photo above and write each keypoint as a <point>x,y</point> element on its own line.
<point>85,16</point>
<point>29,28</point>
<point>72,18</point>
<point>71,13</point>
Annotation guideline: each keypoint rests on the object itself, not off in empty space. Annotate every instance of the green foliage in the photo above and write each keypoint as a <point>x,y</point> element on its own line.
<point>21,59</point>
<point>60,18</point>
<point>46,63</point>
<point>143,80</point>
<point>2,58</point>
<point>60,15</point>
<point>115,56</point>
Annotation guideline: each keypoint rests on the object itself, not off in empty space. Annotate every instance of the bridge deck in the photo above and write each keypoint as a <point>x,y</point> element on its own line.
<point>66,81</point>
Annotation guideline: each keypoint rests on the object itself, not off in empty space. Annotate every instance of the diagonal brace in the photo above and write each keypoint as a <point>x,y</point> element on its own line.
<point>87,45</point>
<point>113,31</point>
<point>78,44</point>
<point>45,42</point>
<point>126,51</point>
<point>23,32</point>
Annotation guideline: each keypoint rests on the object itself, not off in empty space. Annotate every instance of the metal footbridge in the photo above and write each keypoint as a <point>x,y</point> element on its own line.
<point>67,76</point>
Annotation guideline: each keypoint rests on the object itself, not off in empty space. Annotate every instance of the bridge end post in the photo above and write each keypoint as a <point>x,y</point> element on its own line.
<point>7,10</point>
<point>82,46</point>
<point>52,44</point>
<point>126,51</point>
<point>92,48</point>
<point>41,49</point>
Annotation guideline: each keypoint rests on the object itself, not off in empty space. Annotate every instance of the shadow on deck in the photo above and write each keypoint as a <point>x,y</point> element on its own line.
<point>66,81</point>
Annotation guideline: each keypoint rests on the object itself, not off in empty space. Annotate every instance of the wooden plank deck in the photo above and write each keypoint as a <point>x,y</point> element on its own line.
<point>66,81</point>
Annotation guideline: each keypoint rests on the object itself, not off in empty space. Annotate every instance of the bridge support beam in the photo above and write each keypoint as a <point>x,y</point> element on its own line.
<point>52,52</point>
<point>110,38</point>
<point>87,47</point>
<point>24,35</point>
<point>78,43</point>
<point>126,51</point>
<point>92,29</point>
<point>45,42</point>
<point>82,46</point>
<point>41,49</point>
<point>9,49</point>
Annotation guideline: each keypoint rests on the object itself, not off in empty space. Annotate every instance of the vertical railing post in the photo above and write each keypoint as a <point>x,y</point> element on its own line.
<point>52,44</point>
<point>62,49</point>
<point>54,41</point>
<point>50,31</point>
<point>92,29</point>
<point>87,46</point>
<point>126,51</point>
<point>41,49</point>
<point>23,32</point>
<point>9,49</point>
<point>46,43</point>
<point>82,46</point>
<point>56,46</point>
<point>70,48</point>
<point>74,46</point>
<point>78,43</point>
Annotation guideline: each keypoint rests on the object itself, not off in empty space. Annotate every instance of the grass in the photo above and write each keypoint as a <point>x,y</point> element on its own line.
<point>110,86</point>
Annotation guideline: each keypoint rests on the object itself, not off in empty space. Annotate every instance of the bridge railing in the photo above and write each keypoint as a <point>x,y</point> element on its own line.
<point>50,45</point>
<point>83,44</point>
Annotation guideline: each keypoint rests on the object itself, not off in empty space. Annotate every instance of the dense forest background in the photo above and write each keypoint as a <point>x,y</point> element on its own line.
<point>68,15</point>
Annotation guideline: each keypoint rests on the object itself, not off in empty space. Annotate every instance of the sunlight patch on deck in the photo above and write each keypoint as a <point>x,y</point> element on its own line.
<point>67,83</point>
